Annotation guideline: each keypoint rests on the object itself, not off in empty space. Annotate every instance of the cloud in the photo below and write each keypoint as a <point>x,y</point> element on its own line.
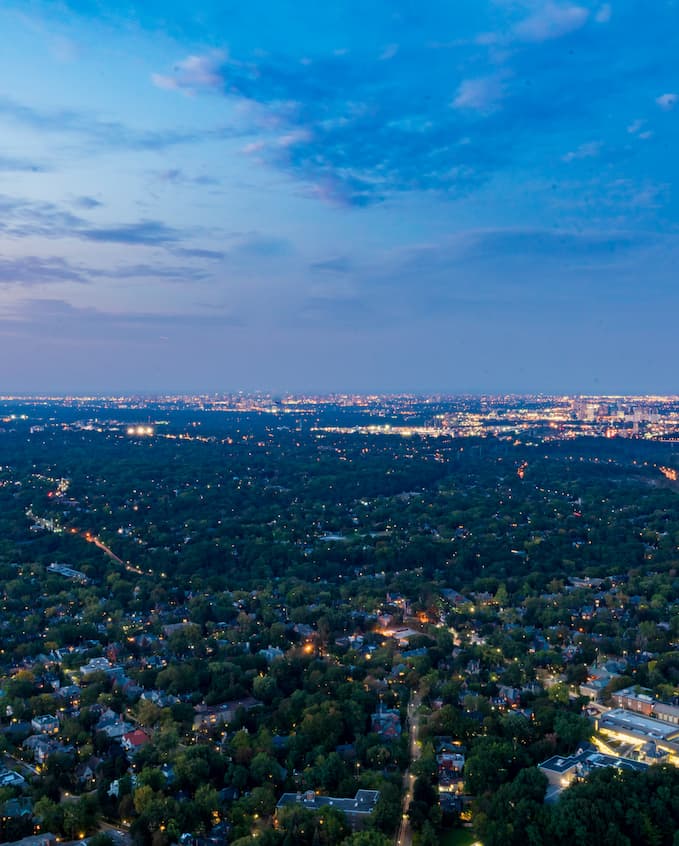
<point>194,73</point>
<point>297,136</point>
<point>21,218</point>
<point>28,271</point>
<point>349,133</point>
<point>604,14</point>
<point>11,164</point>
<point>59,317</point>
<point>551,21</point>
<point>177,176</point>
<point>389,52</point>
<point>667,101</point>
<point>341,264</point>
<point>479,271</point>
<point>147,232</point>
<point>260,246</point>
<point>590,150</point>
<point>552,246</point>
<point>88,203</point>
<point>352,130</point>
<point>25,218</point>
<point>200,253</point>
<point>155,271</point>
<point>636,127</point>
<point>100,134</point>
<point>496,268</point>
<point>481,94</point>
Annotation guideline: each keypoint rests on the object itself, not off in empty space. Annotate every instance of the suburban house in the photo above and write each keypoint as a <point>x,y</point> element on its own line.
<point>386,722</point>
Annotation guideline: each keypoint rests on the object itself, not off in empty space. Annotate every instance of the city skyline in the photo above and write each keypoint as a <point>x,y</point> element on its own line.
<point>372,198</point>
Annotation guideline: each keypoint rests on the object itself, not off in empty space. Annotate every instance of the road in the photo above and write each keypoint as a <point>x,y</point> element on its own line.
<point>49,524</point>
<point>102,546</point>
<point>404,835</point>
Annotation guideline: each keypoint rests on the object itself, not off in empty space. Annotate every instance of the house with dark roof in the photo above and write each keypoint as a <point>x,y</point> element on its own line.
<point>386,722</point>
<point>209,716</point>
<point>16,808</point>
<point>43,839</point>
<point>85,772</point>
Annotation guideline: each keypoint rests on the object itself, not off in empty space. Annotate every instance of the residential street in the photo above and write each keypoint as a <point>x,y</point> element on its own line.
<point>404,836</point>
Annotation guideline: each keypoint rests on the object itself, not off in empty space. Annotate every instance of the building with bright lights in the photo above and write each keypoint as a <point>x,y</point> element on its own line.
<point>562,771</point>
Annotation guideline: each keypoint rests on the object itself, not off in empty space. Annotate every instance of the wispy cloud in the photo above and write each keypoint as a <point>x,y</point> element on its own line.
<point>99,134</point>
<point>88,203</point>
<point>61,317</point>
<point>146,232</point>
<point>667,101</point>
<point>255,245</point>
<point>13,164</point>
<point>30,271</point>
<point>604,13</point>
<point>199,253</point>
<point>637,128</point>
<point>177,176</point>
<point>22,217</point>
<point>33,271</point>
<point>340,264</point>
<point>551,21</point>
<point>194,73</point>
<point>482,271</point>
<point>482,94</point>
<point>589,150</point>
<point>25,218</point>
<point>389,52</point>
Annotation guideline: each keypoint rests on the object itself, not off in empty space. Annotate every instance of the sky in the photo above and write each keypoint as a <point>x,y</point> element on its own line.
<point>384,195</point>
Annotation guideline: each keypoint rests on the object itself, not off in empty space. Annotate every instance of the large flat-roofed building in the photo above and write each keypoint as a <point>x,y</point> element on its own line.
<point>648,728</point>
<point>561,771</point>
<point>356,810</point>
<point>628,727</point>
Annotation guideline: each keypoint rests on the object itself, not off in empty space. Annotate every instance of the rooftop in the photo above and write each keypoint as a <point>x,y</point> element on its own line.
<point>620,719</point>
<point>362,803</point>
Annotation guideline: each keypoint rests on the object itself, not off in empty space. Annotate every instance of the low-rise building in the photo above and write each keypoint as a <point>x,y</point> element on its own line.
<point>641,701</point>
<point>562,771</point>
<point>45,724</point>
<point>356,810</point>
<point>44,839</point>
<point>134,740</point>
<point>634,699</point>
<point>386,723</point>
<point>208,716</point>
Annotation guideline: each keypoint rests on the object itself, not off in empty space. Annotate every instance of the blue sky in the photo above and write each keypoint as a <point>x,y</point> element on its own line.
<point>468,196</point>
